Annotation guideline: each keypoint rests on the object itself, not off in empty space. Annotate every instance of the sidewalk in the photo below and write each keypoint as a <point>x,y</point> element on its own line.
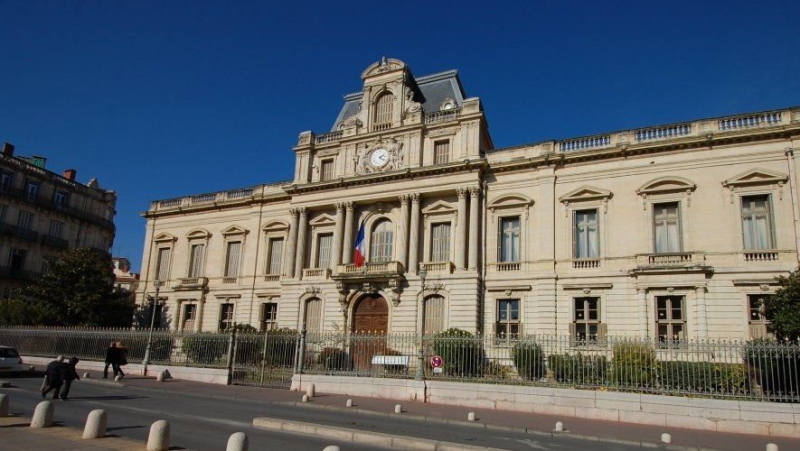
<point>532,423</point>
<point>17,435</point>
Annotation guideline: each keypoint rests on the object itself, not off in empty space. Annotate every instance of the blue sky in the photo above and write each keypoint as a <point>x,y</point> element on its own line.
<point>159,99</point>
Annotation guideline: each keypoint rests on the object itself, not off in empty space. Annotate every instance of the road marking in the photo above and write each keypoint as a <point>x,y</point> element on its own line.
<point>174,415</point>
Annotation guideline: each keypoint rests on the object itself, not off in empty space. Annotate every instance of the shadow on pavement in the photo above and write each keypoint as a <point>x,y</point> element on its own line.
<point>125,427</point>
<point>107,398</point>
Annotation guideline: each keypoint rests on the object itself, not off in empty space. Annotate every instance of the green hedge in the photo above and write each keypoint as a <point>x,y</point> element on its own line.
<point>529,359</point>
<point>462,354</point>
<point>334,359</point>
<point>578,369</point>
<point>633,365</point>
<point>703,377</point>
<point>775,367</point>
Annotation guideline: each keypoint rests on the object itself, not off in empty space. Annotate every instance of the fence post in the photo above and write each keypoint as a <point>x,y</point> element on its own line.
<point>264,358</point>
<point>301,352</point>
<point>229,366</point>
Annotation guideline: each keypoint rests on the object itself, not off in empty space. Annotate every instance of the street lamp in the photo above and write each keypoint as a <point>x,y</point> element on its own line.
<point>420,376</point>
<point>153,305</point>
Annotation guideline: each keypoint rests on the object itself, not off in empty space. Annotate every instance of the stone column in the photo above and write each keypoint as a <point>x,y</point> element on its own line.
<point>347,248</point>
<point>702,321</point>
<point>291,244</point>
<point>474,224</point>
<point>413,235</point>
<point>641,298</point>
<point>300,255</point>
<point>178,315</point>
<point>461,240</point>
<point>402,232</point>
<point>198,322</point>
<point>336,254</point>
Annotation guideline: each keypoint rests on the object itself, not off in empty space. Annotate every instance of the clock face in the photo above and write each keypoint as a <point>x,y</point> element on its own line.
<point>379,157</point>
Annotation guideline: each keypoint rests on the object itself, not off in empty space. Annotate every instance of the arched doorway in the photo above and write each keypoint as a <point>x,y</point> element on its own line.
<point>369,327</point>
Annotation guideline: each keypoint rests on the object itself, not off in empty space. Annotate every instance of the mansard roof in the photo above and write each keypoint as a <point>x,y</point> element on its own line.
<point>435,88</point>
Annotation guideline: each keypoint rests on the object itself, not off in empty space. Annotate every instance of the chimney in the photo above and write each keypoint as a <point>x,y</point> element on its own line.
<point>8,149</point>
<point>70,174</point>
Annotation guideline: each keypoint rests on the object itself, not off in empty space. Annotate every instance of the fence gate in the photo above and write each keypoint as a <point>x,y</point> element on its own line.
<point>264,360</point>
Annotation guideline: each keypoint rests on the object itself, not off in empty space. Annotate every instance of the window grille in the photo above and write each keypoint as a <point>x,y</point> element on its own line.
<point>196,260</point>
<point>441,152</point>
<point>440,242</point>
<point>667,228</point>
<point>509,239</point>
<point>381,242</point>
<point>586,234</point>
<point>275,255</point>
<point>757,223</point>
<point>233,258</point>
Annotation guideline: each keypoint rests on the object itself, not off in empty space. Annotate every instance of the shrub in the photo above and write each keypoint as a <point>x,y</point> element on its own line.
<point>703,377</point>
<point>205,348</point>
<point>334,359</point>
<point>633,365</point>
<point>578,369</point>
<point>281,347</point>
<point>529,359</point>
<point>461,352</point>
<point>775,367</point>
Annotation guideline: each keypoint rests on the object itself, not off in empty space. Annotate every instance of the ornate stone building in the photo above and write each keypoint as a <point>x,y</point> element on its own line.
<point>672,231</point>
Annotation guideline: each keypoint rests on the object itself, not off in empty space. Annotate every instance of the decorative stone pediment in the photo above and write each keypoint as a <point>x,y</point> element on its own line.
<point>165,237</point>
<point>198,234</point>
<point>323,220</point>
<point>275,226</point>
<point>668,184</point>
<point>381,66</point>
<point>438,207</point>
<point>510,201</point>
<point>585,193</point>
<point>756,177</point>
<point>234,230</point>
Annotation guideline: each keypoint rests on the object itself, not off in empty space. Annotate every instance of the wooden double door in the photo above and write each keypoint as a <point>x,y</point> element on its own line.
<point>369,327</point>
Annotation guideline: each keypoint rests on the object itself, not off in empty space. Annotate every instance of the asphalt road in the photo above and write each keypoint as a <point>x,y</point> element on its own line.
<point>201,423</point>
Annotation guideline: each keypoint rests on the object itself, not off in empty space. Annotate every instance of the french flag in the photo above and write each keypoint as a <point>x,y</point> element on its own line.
<point>360,253</point>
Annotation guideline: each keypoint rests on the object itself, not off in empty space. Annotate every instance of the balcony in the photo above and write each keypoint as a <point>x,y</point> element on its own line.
<point>191,283</point>
<point>316,273</point>
<point>27,234</point>
<point>507,266</point>
<point>370,271</point>
<point>760,256</point>
<point>230,280</point>
<point>586,263</point>
<point>54,241</point>
<point>442,116</point>
<point>670,262</point>
<point>438,267</point>
<point>272,278</point>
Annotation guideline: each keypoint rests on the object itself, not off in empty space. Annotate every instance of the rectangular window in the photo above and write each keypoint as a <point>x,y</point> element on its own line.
<point>586,320</point>
<point>225,316</point>
<point>31,191</point>
<point>757,223</point>
<point>56,228</point>
<point>61,201</point>
<point>232,258</point>
<point>25,220</point>
<point>381,243</point>
<point>324,245</point>
<point>16,259</point>
<point>327,170</point>
<point>269,316</point>
<point>189,316</point>
<point>162,264</point>
<point>275,256</point>
<point>196,260</point>
<point>667,228</point>
<point>434,315</point>
<point>6,179</point>
<point>441,152</point>
<point>440,242</point>
<point>757,321</point>
<point>670,319</point>
<point>509,239</point>
<point>507,318</point>
<point>585,233</point>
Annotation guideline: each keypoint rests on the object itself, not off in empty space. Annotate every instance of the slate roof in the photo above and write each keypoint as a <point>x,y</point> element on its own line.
<point>435,88</point>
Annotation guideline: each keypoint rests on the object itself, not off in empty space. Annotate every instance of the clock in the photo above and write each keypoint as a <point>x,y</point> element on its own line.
<point>379,157</point>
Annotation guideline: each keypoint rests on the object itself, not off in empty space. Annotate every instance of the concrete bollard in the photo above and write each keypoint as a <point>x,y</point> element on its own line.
<point>349,403</point>
<point>86,375</point>
<point>238,442</point>
<point>471,416</point>
<point>305,398</point>
<point>158,440</point>
<point>43,415</point>
<point>666,438</point>
<point>398,409</point>
<point>772,447</point>
<point>117,378</point>
<point>310,391</point>
<point>160,377</point>
<point>559,427</point>
<point>331,448</point>
<point>96,424</point>
<point>3,405</point>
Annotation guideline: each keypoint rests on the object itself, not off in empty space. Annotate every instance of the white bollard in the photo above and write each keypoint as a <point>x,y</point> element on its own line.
<point>349,403</point>
<point>95,424</point>
<point>331,448</point>
<point>559,426</point>
<point>238,442</point>
<point>43,415</point>
<point>117,378</point>
<point>471,416</point>
<point>666,438</point>
<point>160,377</point>
<point>158,440</point>
<point>310,391</point>
<point>86,375</point>
<point>398,409</point>
<point>305,398</point>
<point>772,447</point>
<point>3,405</point>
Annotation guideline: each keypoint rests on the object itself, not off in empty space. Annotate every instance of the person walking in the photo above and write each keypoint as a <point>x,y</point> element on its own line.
<point>68,374</point>
<point>122,359</point>
<point>53,375</point>
<point>112,359</point>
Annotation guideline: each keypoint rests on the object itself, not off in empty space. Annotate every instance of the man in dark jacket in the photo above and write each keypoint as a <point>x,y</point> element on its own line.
<point>68,374</point>
<point>112,359</point>
<point>53,375</point>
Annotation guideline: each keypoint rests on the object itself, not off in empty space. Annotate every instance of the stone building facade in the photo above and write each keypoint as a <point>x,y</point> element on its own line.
<point>673,231</point>
<point>42,213</point>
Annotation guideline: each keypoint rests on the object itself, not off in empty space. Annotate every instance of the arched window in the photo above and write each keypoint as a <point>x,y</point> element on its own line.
<point>383,109</point>
<point>314,315</point>
<point>434,315</point>
<point>381,242</point>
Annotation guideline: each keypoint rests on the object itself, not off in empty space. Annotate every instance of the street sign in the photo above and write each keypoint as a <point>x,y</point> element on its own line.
<point>436,361</point>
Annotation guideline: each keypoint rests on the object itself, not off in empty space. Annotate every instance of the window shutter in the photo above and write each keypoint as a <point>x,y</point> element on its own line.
<point>572,333</point>
<point>771,216</point>
<point>602,330</point>
<point>680,228</point>
<point>520,330</point>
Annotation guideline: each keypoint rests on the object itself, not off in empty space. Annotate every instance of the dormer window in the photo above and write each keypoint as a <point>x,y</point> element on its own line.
<point>384,107</point>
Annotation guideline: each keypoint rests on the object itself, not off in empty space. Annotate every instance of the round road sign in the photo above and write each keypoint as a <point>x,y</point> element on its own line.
<point>436,361</point>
